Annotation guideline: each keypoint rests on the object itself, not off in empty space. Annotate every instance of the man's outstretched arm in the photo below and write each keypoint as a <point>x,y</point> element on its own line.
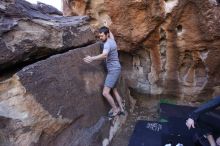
<point>89,59</point>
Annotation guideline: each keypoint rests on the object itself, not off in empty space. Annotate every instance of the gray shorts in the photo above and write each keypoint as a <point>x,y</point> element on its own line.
<point>112,78</point>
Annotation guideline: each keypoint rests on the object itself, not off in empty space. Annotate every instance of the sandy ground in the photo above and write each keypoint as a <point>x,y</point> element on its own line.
<point>145,109</point>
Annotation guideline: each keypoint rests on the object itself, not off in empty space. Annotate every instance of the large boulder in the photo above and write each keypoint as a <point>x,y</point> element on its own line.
<point>47,9</point>
<point>60,95</point>
<point>29,33</point>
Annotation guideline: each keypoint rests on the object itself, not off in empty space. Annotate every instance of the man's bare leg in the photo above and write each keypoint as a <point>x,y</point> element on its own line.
<point>118,98</point>
<point>211,140</point>
<point>107,95</point>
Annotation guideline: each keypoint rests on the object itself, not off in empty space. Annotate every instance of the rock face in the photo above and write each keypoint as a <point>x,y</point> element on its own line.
<point>60,92</point>
<point>173,46</point>
<point>28,32</point>
<point>192,42</point>
<point>47,9</point>
<point>167,48</point>
<point>132,21</point>
<point>54,98</point>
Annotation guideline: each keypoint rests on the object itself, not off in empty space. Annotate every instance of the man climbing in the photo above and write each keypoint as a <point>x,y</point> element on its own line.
<point>206,123</point>
<point>110,54</point>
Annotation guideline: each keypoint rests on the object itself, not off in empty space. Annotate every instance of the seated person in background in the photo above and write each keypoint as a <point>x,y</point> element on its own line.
<point>207,122</point>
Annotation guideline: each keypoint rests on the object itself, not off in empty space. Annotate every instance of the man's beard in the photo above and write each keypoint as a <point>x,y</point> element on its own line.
<point>104,40</point>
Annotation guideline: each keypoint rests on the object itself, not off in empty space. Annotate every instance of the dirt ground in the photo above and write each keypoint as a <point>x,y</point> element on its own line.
<point>145,109</point>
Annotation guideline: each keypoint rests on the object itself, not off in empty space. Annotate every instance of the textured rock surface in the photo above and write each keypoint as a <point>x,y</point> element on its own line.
<point>179,40</point>
<point>53,97</point>
<point>168,48</point>
<point>28,32</point>
<point>22,117</point>
<point>192,48</point>
<point>60,92</point>
<point>47,9</point>
<point>132,20</point>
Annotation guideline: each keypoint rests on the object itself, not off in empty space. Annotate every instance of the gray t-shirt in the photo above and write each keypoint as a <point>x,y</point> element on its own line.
<point>112,61</point>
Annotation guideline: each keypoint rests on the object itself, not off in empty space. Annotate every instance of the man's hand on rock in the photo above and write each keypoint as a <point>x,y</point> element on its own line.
<point>88,59</point>
<point>190,123</point>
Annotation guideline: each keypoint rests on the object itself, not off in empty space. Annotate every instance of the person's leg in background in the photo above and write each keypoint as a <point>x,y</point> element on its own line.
<point>218,141</point>
<point>211,140</point>
<point>209,124</point>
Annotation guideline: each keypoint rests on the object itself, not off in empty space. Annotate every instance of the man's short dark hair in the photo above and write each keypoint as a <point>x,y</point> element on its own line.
<point>104,30</point>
